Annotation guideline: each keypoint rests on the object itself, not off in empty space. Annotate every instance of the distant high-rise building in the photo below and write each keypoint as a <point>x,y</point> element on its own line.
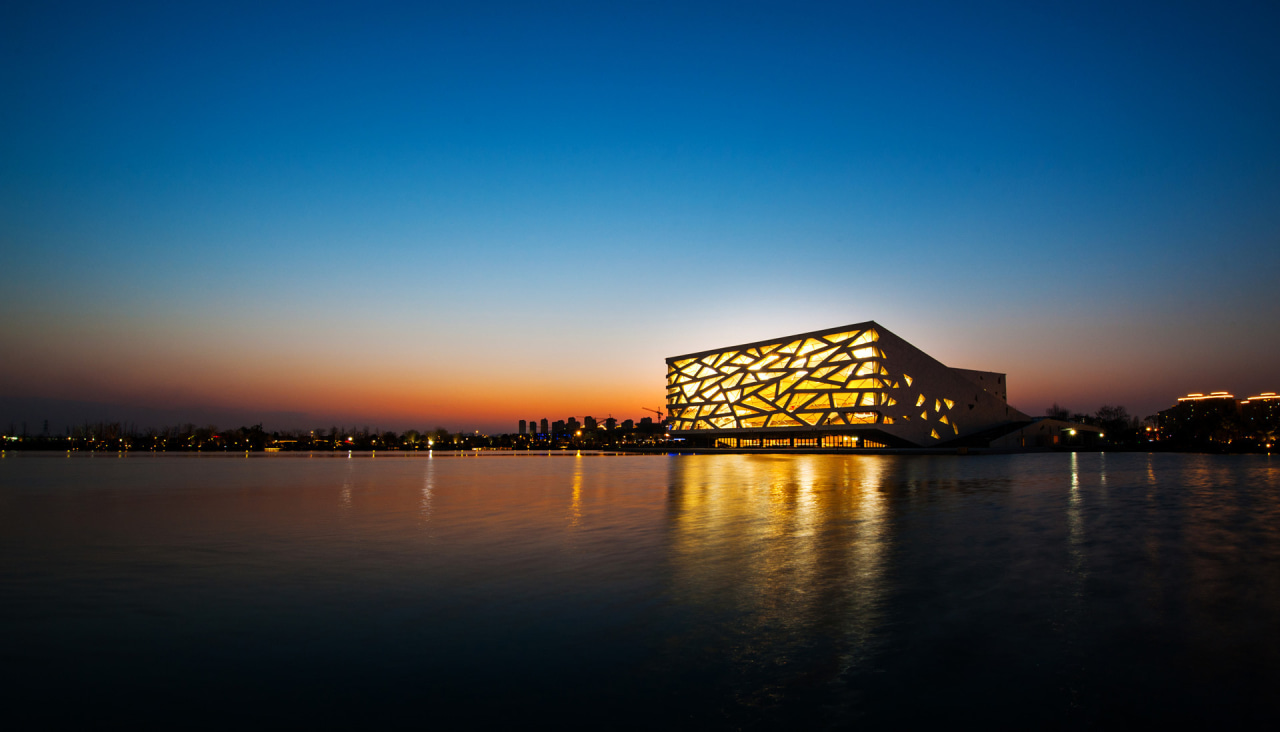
<point>573,425</point>
<point>557,427</point>
<point>533,427</point>
<point>610,423</point>
<point>646,421</point>
<point>628,424</point>
<point>545,431</point>
<point>522,428</point>
<point>589,422</point>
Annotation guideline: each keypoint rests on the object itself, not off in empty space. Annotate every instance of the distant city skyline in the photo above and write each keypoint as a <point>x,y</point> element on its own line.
<point>415,215</point>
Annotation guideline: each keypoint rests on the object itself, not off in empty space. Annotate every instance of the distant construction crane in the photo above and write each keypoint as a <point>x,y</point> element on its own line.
<point>661,417</point>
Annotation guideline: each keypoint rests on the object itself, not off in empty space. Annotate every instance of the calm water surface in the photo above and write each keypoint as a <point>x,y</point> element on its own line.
<point>1052,590</point>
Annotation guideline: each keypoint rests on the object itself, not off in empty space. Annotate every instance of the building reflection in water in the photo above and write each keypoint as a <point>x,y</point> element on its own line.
<point>790,548</point>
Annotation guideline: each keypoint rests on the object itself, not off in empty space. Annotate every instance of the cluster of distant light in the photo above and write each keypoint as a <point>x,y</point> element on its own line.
<point>1224,395</point>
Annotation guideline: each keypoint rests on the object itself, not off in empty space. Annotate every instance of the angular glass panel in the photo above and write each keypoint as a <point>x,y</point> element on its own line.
<point>682,364</point>
<point>810,345</point>
<point>883,371</point>
<point>744,359</point>
<point>834,418</point>
<point>770,392</point>
<point>798,401</point>
<point>955,427</point>
<point>724,357</point>
<point>732,381</point>
<point>766,375</point>
<point>841,337</point>
<point>790,379</point>
<point>906,379</point>
<point>867,352</point>
<point>887,420</point>
<point>749,379</point>
<point>949,403</point>
<point>798,363</point>
<point>689,413</point>
<point>822,402</point>
<point>816,385</point>
<point>841,357</point>
<point>723,409</point>
<point>733,395</point>
<point>821,356</point>
<point>822,372</point>
<point>889,401</point>
<point>724,422</point>
<point>746,391</point>
<point>934,434</point>
<point>782,420</point>
<point>811,417</point>
<point>868,399</point>
<point>755,352</point>
<point>943,419</point>
<point>763,362</point>
<point>718,397</point>
<point>729,369</point>
<point>937,405</point>
<point>701,424</point>
<point>690,388</point>
<point>920,401</point>
<point>742,411</point>
<point>924,415</point>
<point>864,384</point>
<point>712,381</point>
<point>758,403</point>
<point>790,347</point>
<point>862,418</point>
<point>709,360</point>
<point>867,367</point>
<point>754,421</point>
<point>683,379</point>
<point>844,373</point>
<point>870,336</point>
<point>845,399</point>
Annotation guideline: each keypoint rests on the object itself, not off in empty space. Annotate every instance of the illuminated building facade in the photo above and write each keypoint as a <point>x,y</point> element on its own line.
<point>853,386</point>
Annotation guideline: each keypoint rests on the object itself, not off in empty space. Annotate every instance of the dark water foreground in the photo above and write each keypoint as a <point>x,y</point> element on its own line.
<point>1059,591</point>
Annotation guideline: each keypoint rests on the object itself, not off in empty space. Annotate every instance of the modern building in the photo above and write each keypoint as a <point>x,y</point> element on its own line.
<point>854,386</point>
<point>522,427</point>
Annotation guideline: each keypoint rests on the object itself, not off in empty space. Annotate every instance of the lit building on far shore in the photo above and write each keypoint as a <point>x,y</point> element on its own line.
<point>853,386</point>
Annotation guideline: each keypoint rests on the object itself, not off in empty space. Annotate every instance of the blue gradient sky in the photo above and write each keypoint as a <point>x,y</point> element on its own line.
<point>468,214</point>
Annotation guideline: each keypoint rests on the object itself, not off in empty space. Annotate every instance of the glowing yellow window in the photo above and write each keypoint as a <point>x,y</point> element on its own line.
<point>868,399</point>
<point>821,356</point>
<point>906,379</point>
<point>782,420</point>
<point>767,349</point>
<point>733,395</point>
<point>822,402</point>
<point>790,379</point>
<point>888,420</point>
<point>867,367</point>
<point>889,401</point>
<point>845,399</point>
<point>862,418</point>
<point>770,391</point>
<point>864,384</point>
<point>812,418</point>
<point>841,337</point>
<point>841,357</point>
<point>723,409</point>
<point>834,418</point>
<point>937,405</point>
<point>724,357</point>
<point>766,375</point>
<point>810,345</point>
<point>867,352</point>
<point>742,411</point>
<point>955,427</point>
<point>689,413</point>
<point>870,336</point>
<point>743,360</point>
<point>934,434</point>
<point>949,403</point>
<point>920,401</point>
<point>682,364</point>
<point>758,403</point>
<point>817,385</point>
<point>709,360</point>
<point>943,419</point>
<point>763,362</point>
<point>844,373</point>
<point>732,381</point>
<point>822,372</point>
<point>724,422</point>
<point>691,387</point>
<point>790,347</point>
<point>798,401</point>
<point>798,363</point>
<point>749,379</point>
<point>754,421</point>
<point>924,415</point>
<point>702,424</point>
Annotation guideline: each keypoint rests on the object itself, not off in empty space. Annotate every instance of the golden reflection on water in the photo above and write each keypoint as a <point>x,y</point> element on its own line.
<point>792,543</point>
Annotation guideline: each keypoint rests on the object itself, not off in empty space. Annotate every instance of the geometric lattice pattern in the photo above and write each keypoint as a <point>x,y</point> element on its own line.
<point>830,379</point>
